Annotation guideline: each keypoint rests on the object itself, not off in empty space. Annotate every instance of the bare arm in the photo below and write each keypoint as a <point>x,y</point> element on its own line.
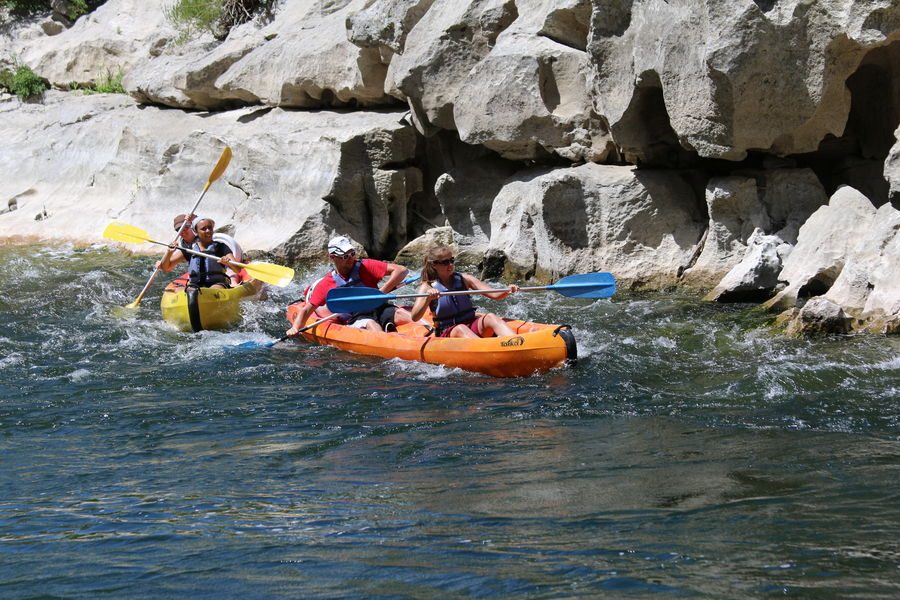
<point>473,283</point>
<point>422,303</point>
<point>171,259</point>
<point>301,318</point>
<point>396,274</point>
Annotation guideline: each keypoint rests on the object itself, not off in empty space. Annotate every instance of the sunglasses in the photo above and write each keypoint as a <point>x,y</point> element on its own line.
<point>348,254</point>
<point>445,262</point>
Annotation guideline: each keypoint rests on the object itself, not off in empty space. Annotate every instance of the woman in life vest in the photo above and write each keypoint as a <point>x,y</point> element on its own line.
<point>187,237</point>
<point>454,316</point>
<point>204,272</point>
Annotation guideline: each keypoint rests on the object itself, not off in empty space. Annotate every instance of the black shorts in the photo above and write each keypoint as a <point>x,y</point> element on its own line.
<point>384,314</point>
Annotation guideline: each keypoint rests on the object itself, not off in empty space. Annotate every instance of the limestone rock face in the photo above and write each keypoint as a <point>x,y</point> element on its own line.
<point>530,96</point>
<point>111,39</point>
<point>774,202</point>
<point>385,23</point>
<point>295,179</point>
<point>307,61</point>
<point>450,39</point>
<point>185,76</point>
<point>892,169</point>
<point>848,253</point>
<point>641,225</point>
<point>732,75</point>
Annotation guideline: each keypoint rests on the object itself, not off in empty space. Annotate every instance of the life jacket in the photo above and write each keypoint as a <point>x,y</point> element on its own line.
<point>452,310</point>
<point>353,280</point>
<point>206,272</point>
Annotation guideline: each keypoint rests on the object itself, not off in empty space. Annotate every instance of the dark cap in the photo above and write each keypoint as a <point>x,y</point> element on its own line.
<point>181,219</point>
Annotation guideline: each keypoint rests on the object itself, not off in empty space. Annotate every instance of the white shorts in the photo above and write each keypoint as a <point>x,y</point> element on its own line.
<point>361,323</point>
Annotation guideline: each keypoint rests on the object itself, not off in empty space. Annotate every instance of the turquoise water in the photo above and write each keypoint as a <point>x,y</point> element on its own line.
<point>691,453</point>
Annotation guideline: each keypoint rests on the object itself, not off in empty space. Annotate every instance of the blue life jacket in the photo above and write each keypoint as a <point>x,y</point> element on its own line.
<point>452,310</point>
<point>208,271</point>
<point>353,280</point>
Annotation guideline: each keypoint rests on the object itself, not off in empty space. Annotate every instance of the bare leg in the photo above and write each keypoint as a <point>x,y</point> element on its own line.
<point>462,331</point>
<point>501,329</point>
<point>402,316</point>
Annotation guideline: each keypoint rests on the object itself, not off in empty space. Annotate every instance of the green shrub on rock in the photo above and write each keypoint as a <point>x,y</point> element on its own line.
<point>214,16</point>
<point>23,82</point>
<point>110,84</point>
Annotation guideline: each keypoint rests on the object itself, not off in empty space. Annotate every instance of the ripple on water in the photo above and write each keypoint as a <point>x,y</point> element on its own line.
<point>690,440</point>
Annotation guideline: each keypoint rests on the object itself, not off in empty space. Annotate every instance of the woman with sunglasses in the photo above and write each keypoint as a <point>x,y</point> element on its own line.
<point>454,316</point>
<point>204,272</point>
<point>187,237</point>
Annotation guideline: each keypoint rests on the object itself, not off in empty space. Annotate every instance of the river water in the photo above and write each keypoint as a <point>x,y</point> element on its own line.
<point>692,452</point>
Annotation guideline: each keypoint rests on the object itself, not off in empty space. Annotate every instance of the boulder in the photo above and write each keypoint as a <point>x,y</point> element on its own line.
<point>823,245</point>
<point>819,316</point>
<point>848,253</point>
<point>642,225</point>
<point>773,202</point>
<point>755,278</point>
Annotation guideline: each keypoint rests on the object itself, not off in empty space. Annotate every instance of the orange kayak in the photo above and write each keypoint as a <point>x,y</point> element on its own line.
<point>534,348</point>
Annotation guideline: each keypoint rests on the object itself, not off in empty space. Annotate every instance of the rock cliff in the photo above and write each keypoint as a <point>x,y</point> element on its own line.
<point>749,148</point>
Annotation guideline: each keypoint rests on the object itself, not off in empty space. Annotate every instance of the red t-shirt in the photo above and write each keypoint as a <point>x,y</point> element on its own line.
<point>371,272</point>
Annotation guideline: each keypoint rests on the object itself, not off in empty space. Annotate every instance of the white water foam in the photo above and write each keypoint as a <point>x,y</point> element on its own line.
<point>79,375</point>
<point>11,360</point>
<point>423,371</point>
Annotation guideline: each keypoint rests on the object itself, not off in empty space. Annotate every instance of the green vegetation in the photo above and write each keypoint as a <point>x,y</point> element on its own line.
<point>192,16</point>
<point>111,84</point>
<point>23,8</point>
<point>23,82</point>
<point>217,17</point>
<point>19,8</point>
<point>107,84</point>
<point>77,8</point>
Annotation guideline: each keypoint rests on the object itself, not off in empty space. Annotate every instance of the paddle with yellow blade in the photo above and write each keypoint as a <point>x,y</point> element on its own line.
<point>129,234</point>
<point>217,171</point>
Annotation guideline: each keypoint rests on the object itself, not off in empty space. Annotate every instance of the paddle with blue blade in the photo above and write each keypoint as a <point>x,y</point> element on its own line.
<point>360,299</point>
<point>255,345</point>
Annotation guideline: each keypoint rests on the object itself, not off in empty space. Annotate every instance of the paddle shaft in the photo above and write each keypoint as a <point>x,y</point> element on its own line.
<point>465,292</point>
<point>307,327</point>
<point>217,171</point>
<point>172,247</point>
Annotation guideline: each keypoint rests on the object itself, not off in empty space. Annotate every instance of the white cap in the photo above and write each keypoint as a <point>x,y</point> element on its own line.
<point>196,222</point>
<point>340,245</point>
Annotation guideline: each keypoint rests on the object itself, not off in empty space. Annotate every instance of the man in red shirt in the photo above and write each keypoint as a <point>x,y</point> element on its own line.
<point>352,271</point>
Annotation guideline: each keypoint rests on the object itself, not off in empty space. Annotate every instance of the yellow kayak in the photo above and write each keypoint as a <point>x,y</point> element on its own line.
<point>204,308</point>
